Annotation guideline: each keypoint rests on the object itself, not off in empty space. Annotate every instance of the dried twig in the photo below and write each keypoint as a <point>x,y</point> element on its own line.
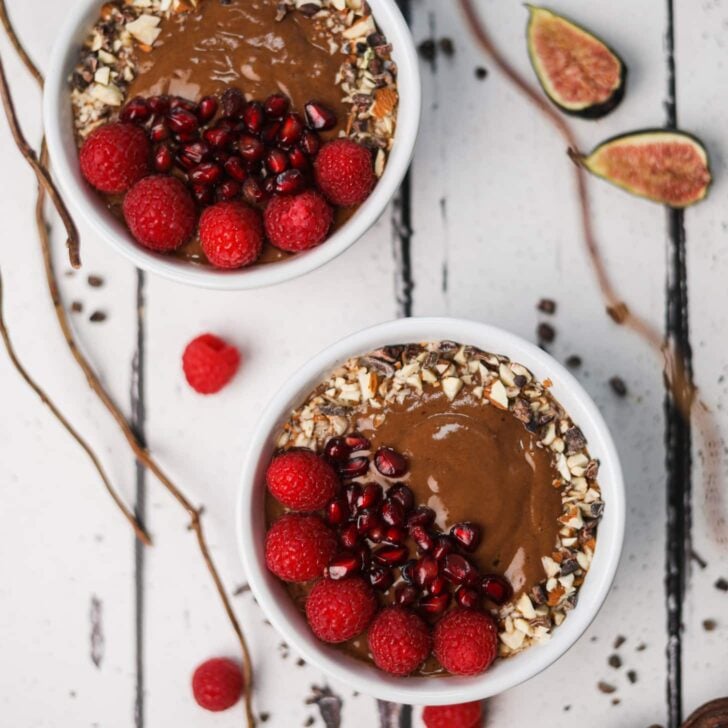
<point>140,452</point>
<point>141,534</point>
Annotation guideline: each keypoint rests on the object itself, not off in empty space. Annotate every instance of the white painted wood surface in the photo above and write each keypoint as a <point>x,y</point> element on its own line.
<point>493,206</point>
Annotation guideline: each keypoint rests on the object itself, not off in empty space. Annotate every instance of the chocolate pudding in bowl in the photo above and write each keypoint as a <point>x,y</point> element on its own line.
<point>266,131</point>
<point>422,480</point>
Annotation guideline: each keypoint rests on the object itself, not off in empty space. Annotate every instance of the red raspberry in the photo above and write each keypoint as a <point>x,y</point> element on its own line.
<point>217,684</point>
<point>301,480</point>
<point>466,641</point>
<point>209,363</point>
<point>299,547</point>
<point>231,234</point>
<point>338,611</point>
<point>298,222</point>
<point>344,172</point>
<point>399,641</point>
<point>114,157</point>
<point>462,715</point>
<point>160,213</point>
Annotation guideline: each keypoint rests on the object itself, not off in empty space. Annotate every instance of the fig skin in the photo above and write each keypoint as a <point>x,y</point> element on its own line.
<point>595,110</point>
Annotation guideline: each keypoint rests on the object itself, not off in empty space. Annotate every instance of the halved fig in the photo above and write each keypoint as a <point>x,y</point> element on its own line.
<point>670,167</point>
<point>579,72</point>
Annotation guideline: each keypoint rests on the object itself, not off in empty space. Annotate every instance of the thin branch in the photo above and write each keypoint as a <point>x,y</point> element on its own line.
<point>140,533</point>
<point>140,452</point>
<point>13,37</point>
<point>41,172</point>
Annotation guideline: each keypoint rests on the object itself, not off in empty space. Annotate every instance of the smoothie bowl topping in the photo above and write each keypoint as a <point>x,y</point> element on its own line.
<point>256,128</point>
<point>432,507</point>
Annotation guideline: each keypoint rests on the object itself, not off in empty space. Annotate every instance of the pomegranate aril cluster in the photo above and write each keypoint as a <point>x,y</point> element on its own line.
<point>376,527</point>
<point>233,148</point>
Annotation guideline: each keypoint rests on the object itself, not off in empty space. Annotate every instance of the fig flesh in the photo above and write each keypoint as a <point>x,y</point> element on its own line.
<point>665,166</point>
<point>577,70</point>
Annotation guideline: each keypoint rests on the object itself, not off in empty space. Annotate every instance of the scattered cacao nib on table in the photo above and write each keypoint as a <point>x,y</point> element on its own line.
<point>618,386</point>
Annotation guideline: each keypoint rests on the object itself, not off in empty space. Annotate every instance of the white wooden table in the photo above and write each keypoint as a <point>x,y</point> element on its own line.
<point>494,228</point>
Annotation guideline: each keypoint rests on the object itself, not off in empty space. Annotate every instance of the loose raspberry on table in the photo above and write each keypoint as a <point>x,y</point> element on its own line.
<point>114,157</point>
<point>160,213</point>
<point>301,480</point>
<point>298,222</point>
<point>399,641</point>
<point>298,547</point>
<point>209,363</point>
<point>338,611</point>
<point>231,234</point>
<point>344,172</point>
<point>462,715</point>
<point>217,684</point>
<point>466,641</point>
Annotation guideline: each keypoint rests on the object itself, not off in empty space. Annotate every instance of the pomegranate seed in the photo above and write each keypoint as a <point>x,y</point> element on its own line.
<point>352,493</point>
<point>251,148</point>
<point>203,194</point>
<point>337,450</point>
<point>291,130</point>
<point>438,586</point>
<point>337,511</point>
<point>422,538</point>
<point>319,117</point>
<point>310,143</point>
<point>276,105</point>
<point>159,104</point>
<point>395,535</point>
<point>232,102</point>
<point>343,565</point>
<point>354,468</point>
<point>421,516</point>
<point>349,536</point>
<point>393,513</point>
<point>405,595</point>
<point>206,109</point>
<point>444,545</point>
<point>377,533</point>
<point>370,497</point>
<point>402,495</point>
<point>298,159</point>
<point>290,182</point>
<point>269,185</point>
<point>277,161</point>
<point>458,570</point>
<point>158,131</point>
<point>467,598</point>
<point>425,571</point>
<point>466,534</point>
<point>391,555</point>
<point>163,158</point>
<point>218,137</point>
<point>270,132</point>
<point>356,442</point>
<point>190,155</point>
<point>177,102</point>
<point>207,173</point>
<point>253,117</point>
<point>367,520</point>
<point>390,463</point>
<point>235,168</point>
<point>181,121</point>
<point>435,605</point>
<point>364,554</point>
<point>380,578</point>
<point>136,111</point>
<point>253,191</point>
<point>496,588</point>
<point>407,571</point>
<point>228,190</point>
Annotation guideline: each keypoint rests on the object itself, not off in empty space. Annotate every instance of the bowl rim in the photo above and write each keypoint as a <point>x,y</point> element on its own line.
<point>432,691</point>
<point>84,201</point>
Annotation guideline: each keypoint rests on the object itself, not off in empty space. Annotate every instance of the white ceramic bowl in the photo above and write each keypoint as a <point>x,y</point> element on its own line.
<point>504,674</point>
<point>59,130</point>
